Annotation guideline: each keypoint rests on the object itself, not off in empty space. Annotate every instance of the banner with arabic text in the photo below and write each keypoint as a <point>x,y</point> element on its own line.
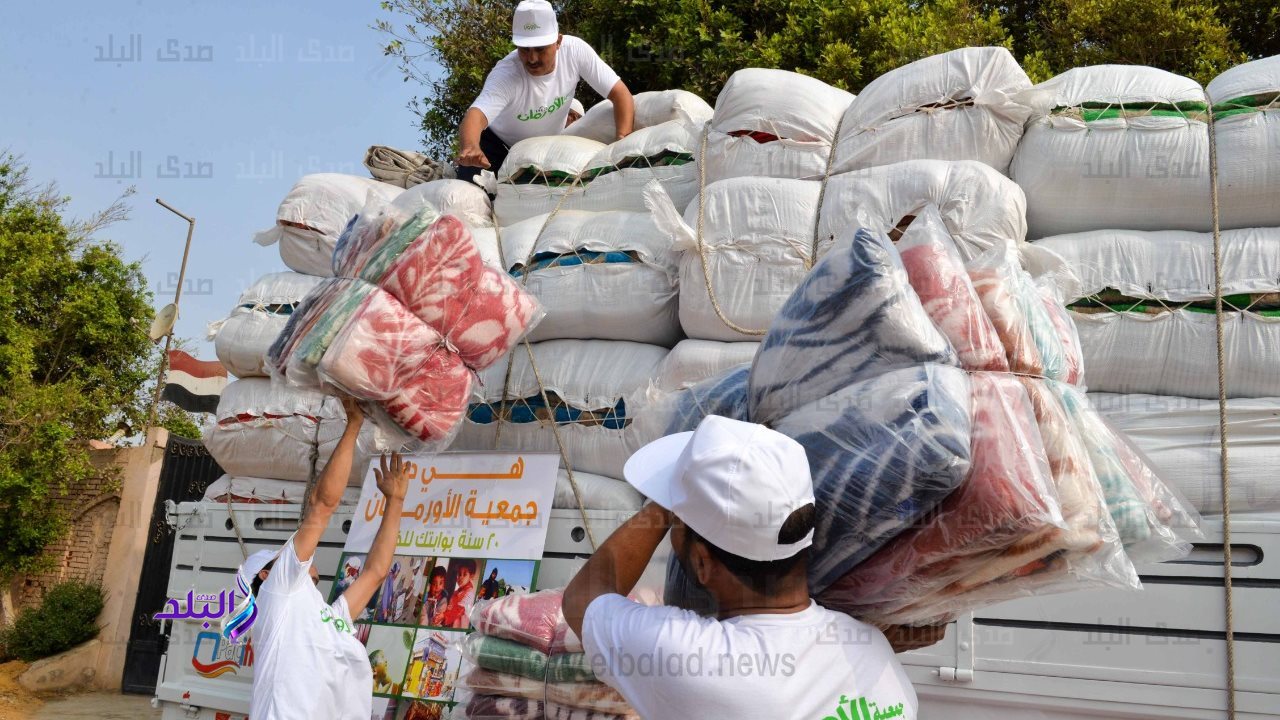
<point>473,527</point>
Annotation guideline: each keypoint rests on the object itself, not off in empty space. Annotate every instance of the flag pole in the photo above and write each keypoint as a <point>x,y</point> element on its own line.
<point>177,295</point>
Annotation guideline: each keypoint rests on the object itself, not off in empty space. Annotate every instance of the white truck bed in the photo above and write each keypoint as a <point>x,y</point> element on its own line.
<point>1155,654</point>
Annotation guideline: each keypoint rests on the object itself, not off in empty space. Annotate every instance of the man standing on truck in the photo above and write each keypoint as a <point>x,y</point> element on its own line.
<point>738,500</point>
<point>530,91</point>
<point>308,662</point>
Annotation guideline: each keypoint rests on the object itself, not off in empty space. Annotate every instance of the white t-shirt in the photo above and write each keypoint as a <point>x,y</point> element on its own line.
<point>811,665</point>
<point>519,105</point>
<point>307,660</point>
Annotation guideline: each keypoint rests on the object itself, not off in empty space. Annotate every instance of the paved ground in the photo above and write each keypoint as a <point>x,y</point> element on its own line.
<point>98,706</point>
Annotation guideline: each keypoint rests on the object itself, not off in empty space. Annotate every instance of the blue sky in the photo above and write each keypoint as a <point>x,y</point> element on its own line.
<point>252,94</point>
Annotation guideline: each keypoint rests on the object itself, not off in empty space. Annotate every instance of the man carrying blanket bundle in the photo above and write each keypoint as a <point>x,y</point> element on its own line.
<point>529,93</point>
<point>308,662</point>
<point>738,501</point>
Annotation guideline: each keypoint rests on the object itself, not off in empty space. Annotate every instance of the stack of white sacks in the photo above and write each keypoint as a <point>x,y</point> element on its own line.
<point>271,439</point>
<point>620,267</point>
<point>1115,164</point>
<point>574,229</point>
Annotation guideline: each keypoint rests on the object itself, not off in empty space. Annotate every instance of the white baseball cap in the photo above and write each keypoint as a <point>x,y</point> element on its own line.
<point>534,24</point>
<point>576,106</point>
<point>734,483</point>
<point>253,565</point>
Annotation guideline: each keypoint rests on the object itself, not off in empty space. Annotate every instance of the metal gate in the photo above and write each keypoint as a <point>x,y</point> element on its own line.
<point>187,471</point>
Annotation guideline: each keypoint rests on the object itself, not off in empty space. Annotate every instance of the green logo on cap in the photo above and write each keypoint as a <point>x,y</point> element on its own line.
<point>531,26</point>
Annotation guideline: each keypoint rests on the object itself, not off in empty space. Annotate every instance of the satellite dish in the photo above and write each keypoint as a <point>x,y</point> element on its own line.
<point>163,324</point>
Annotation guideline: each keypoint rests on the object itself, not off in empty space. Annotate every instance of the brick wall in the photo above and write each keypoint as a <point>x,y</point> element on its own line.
<point>82,554</point>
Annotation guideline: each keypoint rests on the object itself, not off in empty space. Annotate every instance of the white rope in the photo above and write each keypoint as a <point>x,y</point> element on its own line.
<point>1222,422</point>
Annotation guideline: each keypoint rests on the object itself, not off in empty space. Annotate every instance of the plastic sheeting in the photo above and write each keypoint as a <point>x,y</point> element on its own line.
<point>602,276</point>
<point>692,361</point>
<point>652,108</point>
<point>1175,353</point>
<point>1180,438</point>
<point>268,431</point>
<point>1094,156</point>
<point>313,215</point>
<point>957,105</point>
<point>593,387</point>
<point>244,337</point>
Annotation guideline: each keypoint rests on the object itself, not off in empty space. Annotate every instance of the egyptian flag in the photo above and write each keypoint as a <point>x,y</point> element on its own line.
<point>193,385</point>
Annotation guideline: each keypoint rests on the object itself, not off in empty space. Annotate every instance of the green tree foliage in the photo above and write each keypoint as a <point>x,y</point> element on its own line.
<point>74,356</point>
<point>448,46</point>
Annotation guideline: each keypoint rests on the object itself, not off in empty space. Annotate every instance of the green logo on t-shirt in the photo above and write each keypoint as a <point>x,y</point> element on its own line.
<point>859,709</point>
<point>539,113</point>
<point>339,624</point>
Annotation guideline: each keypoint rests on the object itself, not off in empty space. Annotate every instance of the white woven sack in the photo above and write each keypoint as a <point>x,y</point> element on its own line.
<point>268,430</point>
<point>1180,437</point>
<point>1175,353</point>
<point>632,300</point>
<point>1173,265</point>
<point>959,105</point>
<point>1145,172</point>
<point>651,108</point>
<point>242,339</point>
<point>692,361</point>
<point>589,375</point>
<point>1248,145</point>
<point>313,215</point>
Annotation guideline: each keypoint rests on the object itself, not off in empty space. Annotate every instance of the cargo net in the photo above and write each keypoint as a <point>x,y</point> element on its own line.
<point>1102,110</point>
<point>1112,300</point>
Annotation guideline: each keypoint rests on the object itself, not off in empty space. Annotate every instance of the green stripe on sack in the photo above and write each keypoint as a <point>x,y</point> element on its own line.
<point>1247,104</point>
<point>1093,111</point>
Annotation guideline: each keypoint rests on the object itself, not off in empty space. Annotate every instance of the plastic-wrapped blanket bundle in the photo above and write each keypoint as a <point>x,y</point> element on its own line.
<point>592,388</point>
<point>313,215</point>
<point>524,650</point>
<point>939,278</point>
<point>1006,515</point>
<point>854,317</point>
<point>958,105</point>
<point>1146,511</point>
<point>1036,339</point>
<point>414,313</point>
<point>651,108</point>
<point>1115,146</point>
<point>244,337</point>
<point>601,276</point>
<point>773,123</point>
<point>1246,108</point>
<point>268,431</point>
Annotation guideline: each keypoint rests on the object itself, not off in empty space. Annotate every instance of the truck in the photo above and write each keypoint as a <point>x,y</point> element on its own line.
<point>1151,654</point>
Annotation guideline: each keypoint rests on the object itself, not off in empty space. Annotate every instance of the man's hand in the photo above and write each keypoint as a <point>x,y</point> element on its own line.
<point>904,638</point>
<point>392,476</point>
<point>355,415</point>
<point>473,156</point>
